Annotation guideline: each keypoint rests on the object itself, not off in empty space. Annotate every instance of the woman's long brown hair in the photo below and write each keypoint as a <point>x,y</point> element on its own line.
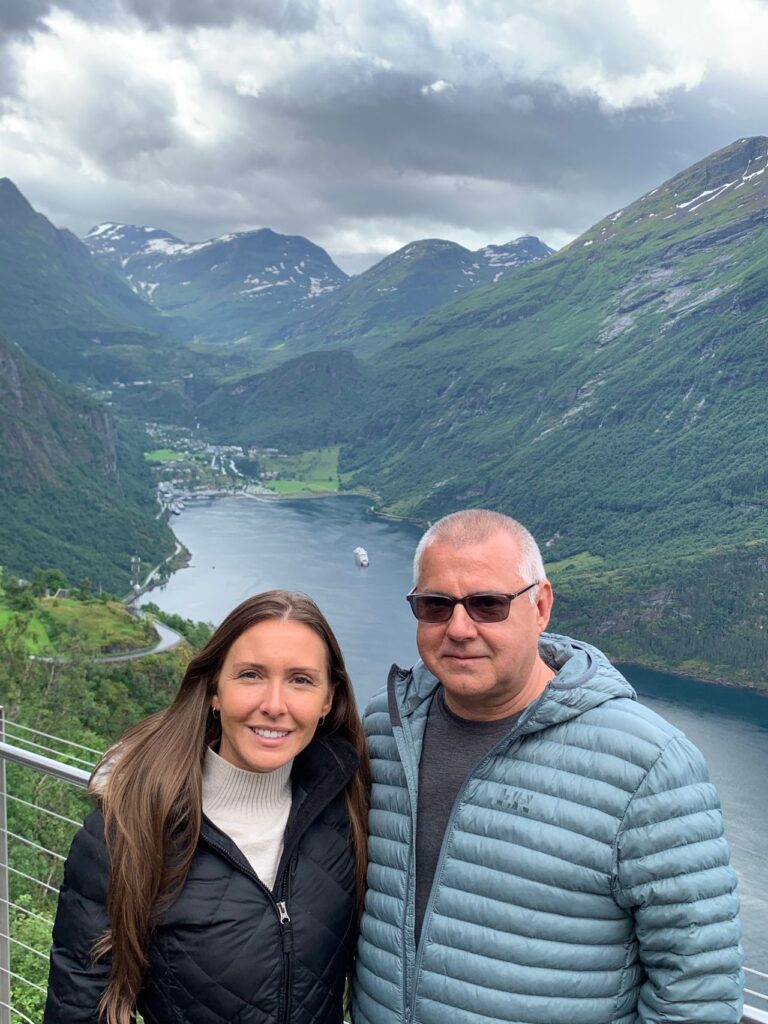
<point>149,785</point>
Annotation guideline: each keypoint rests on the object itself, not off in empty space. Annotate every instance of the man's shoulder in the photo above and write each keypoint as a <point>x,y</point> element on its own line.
<point>593,692</point>
<point>632,718</point>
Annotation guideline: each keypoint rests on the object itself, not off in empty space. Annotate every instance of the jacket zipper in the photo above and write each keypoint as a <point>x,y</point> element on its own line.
<point>283,918</point>
<point>410,1004</point>
<point>286,932</point>
<point>412,786</point>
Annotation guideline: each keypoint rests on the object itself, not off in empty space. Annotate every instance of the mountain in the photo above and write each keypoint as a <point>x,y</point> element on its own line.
<point>406,285</point>
<point>614,397</point>
<point>629,347</point>
<point>75,493</point>
<point>240,288</point>
<point>73,315</point>
<point>283,294</point>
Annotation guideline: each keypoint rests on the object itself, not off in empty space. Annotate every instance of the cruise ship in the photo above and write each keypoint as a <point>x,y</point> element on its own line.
<point>361,557</point>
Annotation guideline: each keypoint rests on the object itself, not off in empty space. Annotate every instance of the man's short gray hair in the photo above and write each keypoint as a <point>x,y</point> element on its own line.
<point>475,525</point>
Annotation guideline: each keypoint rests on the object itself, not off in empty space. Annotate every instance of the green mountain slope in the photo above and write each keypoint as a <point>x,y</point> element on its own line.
<point>632,360</point>
<point>312,397</point>
<point>385,300</point>
<point>72,314</point>
<point>74,493</point>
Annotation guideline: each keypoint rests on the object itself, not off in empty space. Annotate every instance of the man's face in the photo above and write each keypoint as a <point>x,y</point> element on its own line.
<point>489,670</point>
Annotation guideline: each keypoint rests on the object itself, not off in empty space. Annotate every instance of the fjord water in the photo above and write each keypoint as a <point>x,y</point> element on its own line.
<point>240,546</point>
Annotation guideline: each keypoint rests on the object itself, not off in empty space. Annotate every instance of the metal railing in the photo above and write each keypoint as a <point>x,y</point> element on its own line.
<point>26,899</point>
<point>35,833</point>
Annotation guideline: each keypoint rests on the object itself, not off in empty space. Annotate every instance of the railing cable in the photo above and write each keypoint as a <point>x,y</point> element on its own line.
<point>48,736</point>
<point>26,910</point>
<point>45,810</point>
<point>24,1017</point>
<point>20,977</point>
<point>34,845</point>
<point>30,949</point>
<point>29,878</point>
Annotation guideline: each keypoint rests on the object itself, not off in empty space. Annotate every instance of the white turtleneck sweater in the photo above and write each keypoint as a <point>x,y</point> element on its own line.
<point>251,807</point>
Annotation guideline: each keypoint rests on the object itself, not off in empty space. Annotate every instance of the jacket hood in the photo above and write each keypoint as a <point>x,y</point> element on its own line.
<point>585,679</point>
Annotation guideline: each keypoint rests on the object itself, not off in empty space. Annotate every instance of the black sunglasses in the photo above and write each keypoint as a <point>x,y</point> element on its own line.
<point>489,607</point>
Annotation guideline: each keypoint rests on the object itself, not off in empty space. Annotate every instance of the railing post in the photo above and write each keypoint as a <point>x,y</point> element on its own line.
<point>5,928</point>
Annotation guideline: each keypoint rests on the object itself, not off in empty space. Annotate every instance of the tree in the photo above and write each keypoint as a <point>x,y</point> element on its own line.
<point>38,584</point>
<point>55,580</point>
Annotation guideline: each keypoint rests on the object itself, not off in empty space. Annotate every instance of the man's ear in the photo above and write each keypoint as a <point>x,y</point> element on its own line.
<point>545,598</point>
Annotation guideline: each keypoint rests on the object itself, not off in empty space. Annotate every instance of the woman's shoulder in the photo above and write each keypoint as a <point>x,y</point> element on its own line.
<point>93,823</point>
<point>88,863</point>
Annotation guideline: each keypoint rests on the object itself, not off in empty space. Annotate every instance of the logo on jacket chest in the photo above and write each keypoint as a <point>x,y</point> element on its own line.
<point>516,801</point>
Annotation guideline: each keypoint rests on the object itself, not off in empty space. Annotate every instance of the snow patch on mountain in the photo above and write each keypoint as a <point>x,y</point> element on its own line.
<point>317,287</point>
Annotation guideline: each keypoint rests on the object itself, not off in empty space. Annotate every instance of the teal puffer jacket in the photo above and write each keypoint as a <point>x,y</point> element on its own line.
<point>583,879</point>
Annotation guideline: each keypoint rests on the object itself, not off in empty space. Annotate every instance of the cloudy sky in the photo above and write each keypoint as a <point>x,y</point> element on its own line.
<point>365,124</point>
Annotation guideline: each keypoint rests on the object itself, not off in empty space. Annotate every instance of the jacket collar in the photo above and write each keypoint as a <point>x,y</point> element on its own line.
<point>320,773</point>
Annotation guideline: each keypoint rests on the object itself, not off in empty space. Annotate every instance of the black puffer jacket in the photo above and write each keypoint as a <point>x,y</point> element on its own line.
<point>228,949</point>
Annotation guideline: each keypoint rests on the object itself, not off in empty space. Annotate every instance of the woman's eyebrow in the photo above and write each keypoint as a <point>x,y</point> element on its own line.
<point>293,668</point>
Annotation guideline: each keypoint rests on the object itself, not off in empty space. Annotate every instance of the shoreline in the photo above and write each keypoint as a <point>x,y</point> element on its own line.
<point>308,495</point>
<point>714,680</point>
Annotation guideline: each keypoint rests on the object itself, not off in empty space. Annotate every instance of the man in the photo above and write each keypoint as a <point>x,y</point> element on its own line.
<point>543,849</point>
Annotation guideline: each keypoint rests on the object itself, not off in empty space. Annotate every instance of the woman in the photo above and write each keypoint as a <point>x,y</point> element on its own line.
<point>221,876</point>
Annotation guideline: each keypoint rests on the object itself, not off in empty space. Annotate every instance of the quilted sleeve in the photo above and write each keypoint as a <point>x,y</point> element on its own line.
<point>75,982</point>
<point>672,871</point>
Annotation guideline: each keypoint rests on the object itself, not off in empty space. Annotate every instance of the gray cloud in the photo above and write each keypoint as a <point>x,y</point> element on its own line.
<point>21,15</point>
<point>525,153</point>
<point>281,16</point>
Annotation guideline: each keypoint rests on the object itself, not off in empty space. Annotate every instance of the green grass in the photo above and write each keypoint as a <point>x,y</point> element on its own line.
<point>36,637</point>
<point>307,472</point>
<point>164,455</point>
<point>315,464</point>
<point>103,626</point>
<point>302,486</point>
<point>582,562</point>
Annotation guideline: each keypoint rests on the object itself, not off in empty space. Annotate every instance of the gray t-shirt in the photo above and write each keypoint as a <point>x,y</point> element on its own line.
<point>452,747</point>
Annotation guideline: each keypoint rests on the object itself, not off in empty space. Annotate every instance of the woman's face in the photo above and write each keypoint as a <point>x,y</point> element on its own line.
<point>273,689</point>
